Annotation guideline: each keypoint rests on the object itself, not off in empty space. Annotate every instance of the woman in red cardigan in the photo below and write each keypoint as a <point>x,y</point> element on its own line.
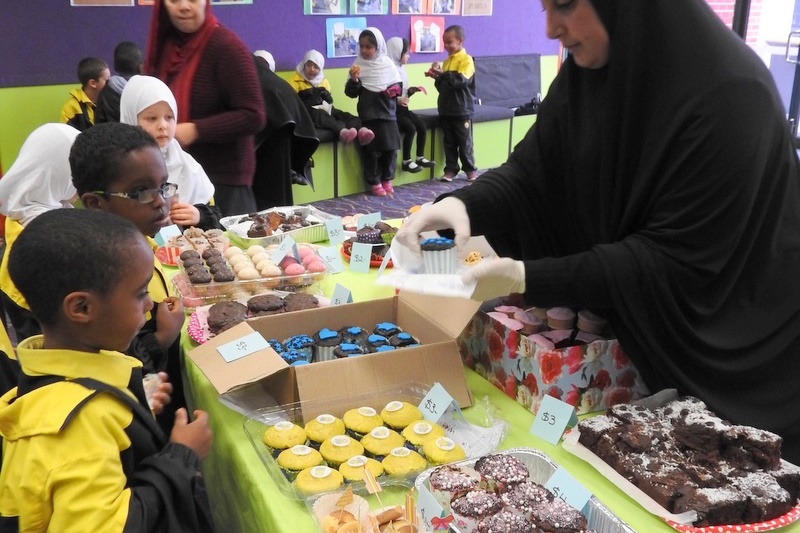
<point>220,106</point>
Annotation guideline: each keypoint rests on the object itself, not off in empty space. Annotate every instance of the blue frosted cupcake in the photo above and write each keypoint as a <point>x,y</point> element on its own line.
<point>386,329</point>
<point>293,357</point>
<point>439,255</point>
<point>300,343</point>
<point>354,335</point>
<point>403,339</point>
<point>325,341</point>
<point>385,348</point>
<point>276,345</point>
<point>375,341</point>
<point>347,349</point>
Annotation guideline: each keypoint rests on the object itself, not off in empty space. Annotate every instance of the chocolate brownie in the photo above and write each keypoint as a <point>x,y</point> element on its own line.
<point>476,503</point>
<point>225,315</point>
<point>721,505</point>
<point>766,499</point>
<point>558,517</point>
<point>525,496</point>
<point>505,522</point>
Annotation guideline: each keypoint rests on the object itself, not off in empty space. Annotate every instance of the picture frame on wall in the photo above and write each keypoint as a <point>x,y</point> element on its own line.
<point>426,35</point>
<point>341,36</point>
<point>369,7</point>
<point>409,7</point>
<point>324,7</point>
<point>231,2</point>
<point>477,8</point>
<point>101,2</point>
<point>444,7</point>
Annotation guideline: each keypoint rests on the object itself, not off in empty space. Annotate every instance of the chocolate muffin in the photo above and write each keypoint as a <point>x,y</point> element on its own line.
<point>403,339</point>
<point>386,329</point>
<point>347,349</point>
<point>354,335</point>
<point>224,274</point>
<point>189,254</point>
<point>369,235</point>
<point>225,315</point>
<point>209,253</point>
<point>199,274</point>
<point>192,261</point>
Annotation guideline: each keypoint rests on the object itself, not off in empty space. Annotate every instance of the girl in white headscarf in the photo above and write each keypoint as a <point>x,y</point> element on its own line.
<point>376,82</point>
<point>408,122</point>
<point>148,102</point>
<point>314,90</point>
<point>39,180</point>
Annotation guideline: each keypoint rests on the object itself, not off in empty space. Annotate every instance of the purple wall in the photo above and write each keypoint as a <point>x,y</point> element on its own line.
<point>41,41</point>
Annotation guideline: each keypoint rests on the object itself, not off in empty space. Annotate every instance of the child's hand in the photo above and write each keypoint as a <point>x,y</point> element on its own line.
<point>393,91</point>
<point>184,214</point>
<point>355,72</point>
<point>403,101</point>
<point>169,321</point>
<point>186,133</point>
<point>162,394</point>
<point>194,435</point>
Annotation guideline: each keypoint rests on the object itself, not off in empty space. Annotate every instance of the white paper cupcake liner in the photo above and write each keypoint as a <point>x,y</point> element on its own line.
<point>324,353</point>
<point>440,261</point>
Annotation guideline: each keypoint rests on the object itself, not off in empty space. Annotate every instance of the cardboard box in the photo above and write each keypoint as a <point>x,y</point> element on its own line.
<point>590,377</point>
<point>437,360</point>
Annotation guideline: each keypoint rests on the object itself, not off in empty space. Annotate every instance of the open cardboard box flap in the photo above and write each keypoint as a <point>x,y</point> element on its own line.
<point>435,321</point>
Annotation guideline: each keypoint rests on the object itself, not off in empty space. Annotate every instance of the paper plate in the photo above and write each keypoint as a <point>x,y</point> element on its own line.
<point>769,525</point>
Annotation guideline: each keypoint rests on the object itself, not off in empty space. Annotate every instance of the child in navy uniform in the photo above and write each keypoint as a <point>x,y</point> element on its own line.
<point>81,450</point>
<point>455,81</point>
<point>376,82</point>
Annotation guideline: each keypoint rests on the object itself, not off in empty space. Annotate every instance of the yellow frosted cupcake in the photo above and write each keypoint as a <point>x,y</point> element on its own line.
<point>361,421</point>
<point>353,469</point>
<point>442,450</point>
<point>338,449</point>
<point>318,479</point>
<point>298,458</point>
<point>418,433</point>
<point>323,427</point>
<point>398,415</point>
<point>283,436</point>
<point>380,441</point>
<point>402,462</point>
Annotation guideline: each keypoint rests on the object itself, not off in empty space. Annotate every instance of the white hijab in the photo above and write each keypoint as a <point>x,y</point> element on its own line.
<point>40,179</point>
<point>379,72</point>
<point>267,57</point>
<point>141,92</point>
<point>319,60</point>
<point>394,49</point>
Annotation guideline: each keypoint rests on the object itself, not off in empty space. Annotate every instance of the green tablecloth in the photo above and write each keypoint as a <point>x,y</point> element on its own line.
<point>244,499</point>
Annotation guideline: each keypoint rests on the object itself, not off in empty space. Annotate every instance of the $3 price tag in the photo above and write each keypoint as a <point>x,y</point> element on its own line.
<point>552,419</point>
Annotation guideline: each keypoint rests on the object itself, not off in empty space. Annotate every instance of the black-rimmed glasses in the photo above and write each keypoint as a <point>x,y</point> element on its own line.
<point>146,196</point>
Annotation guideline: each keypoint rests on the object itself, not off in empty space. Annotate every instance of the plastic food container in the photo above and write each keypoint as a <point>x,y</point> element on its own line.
<point>255,423</point>
<point>315,232</point>
<point>541,467</point>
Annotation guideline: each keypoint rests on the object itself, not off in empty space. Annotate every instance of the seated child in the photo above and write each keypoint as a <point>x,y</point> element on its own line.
<point>408,122</point>
<point>315,91</point>
<point>81,450</point>
<point>78,111</point>
<point>39,180</point>
<point>120,169</point>
<point>148,102</point>
<point>375,81</point>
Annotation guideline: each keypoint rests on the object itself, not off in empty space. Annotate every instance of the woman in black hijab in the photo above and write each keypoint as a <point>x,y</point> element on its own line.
<point>659,186</point>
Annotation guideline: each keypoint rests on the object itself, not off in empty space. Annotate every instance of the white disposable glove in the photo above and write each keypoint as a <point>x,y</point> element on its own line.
<point>325,106</point>
<point>449,213</point>
<point>496,278</point>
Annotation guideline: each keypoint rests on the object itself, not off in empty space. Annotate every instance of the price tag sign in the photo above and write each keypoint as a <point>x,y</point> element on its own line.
<point>242,346</point>
<point>341,295</point>
<point>436,402</point>
<point>166,233</point>
<point>552,419</point>
<point>566,487</point>
<point>287,245</point>
<point>368,220</point>
<point>360,255</point>
<point>332,259</point>
<point>431,512</point>
<point>335,231</point>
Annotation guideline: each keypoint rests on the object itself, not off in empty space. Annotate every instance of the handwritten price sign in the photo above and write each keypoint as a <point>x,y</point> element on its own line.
<point>552,419</point>
<point>341,295</point>
<point>568,489</point>
<point>435,403</point>
<point>335,231</point>
<point>368,220</point>
<point>287,245</point>
<point>360,255</point>
<point>242,347</point>
<point>332,259</point>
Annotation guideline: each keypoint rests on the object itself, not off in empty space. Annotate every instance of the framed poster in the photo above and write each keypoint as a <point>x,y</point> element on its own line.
<point>477,8</point>
<point>444,7</point>
<point>324,7</point>
<point>409,7</point>
<point>369,7</point>
<point>341,35</point>
<point>426,35</point>
<point>101,2</point>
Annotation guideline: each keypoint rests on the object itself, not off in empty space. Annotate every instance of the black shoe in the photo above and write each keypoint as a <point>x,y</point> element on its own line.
<point>410,166</point>
<point>421,161</point>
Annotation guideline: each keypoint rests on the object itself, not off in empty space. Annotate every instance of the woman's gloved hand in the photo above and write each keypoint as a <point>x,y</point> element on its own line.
<point>496,278</point>
<point>449,213</point>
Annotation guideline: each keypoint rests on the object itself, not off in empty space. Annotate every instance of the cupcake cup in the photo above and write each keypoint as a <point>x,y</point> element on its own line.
<point>444,494</point>
<point>440,261</point>
<point>324,353</point>
<point>326,505</point>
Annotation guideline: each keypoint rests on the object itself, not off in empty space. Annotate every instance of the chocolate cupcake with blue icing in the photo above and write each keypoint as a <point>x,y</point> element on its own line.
<point>276,345</point>
<point>375,341</point>
<point>386,329</point>
<point>325,341</point>
<point>293,357</point>
<point>354,335</point>
<point>347,349</point>
<point>402,340</point>
<point>301,343</point>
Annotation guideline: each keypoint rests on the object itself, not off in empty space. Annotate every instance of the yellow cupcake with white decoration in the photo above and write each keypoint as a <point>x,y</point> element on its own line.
<point>403,462</point>
<point>443,450</point>
<point>397,415</point>
<point>318,479</point>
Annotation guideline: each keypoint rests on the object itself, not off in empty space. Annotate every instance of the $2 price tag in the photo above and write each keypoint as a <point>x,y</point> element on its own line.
<point>360,255</point>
